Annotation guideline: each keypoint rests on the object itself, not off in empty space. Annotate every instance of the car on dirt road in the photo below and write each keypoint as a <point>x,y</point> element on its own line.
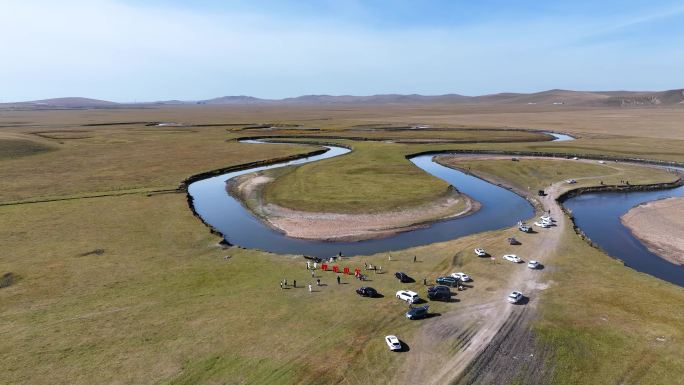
<point>533,264</point>
<point>393,342</point>
<point>480,252</point>
<point>542,224</point>
<point>408,296</point>
<point>418,312</point>
<point>449,281</point>
<point>462,276</point>
<point>515,297</point>
<point>512,258</point>
<point>524,228</point>
<point>366,291</point>
<point>402,277</point>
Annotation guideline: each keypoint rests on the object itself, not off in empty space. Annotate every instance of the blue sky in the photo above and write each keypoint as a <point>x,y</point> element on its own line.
<point>126,50</point>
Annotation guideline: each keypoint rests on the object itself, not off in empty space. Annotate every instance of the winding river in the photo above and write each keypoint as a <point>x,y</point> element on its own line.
<point>501,208</point>
<point>597,214</point>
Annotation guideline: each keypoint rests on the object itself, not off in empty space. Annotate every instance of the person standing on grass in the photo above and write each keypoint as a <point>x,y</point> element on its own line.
<point>294,283</point>
<point>312,274</point>
<point>281,285</point>
<point>285,282</point>
<point>338,279</point>
<point>414,259</point>
<point>318,282</point>
<point>424,281</point>
<point>308,265</point>
<point>310,288</point>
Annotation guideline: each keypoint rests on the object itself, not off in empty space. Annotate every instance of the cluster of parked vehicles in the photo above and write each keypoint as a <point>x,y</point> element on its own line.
<point>442,290</point>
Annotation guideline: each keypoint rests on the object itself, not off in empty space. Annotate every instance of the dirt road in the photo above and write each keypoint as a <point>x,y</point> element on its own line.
<point>491,341</point>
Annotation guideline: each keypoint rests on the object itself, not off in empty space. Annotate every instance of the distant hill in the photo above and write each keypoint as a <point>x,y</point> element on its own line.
<point>69,102</point>
<point>333,99</point>
<point>550,97</point>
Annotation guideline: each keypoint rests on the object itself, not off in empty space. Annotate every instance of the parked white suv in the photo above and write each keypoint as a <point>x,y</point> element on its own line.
<point>515,297</point>
<point>462,276</point>
<point>512,257</point>
<point>408,296</point>
<point>480,252</point>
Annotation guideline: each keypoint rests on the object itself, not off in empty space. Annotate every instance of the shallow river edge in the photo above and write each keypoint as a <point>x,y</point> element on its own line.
<point>610,188</point>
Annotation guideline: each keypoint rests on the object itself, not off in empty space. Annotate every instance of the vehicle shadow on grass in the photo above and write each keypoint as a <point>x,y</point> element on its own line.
<point>432,315</point>
<point>524,301</point>
<point>404,347</point>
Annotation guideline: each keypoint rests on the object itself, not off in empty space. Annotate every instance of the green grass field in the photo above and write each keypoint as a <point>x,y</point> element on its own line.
<point>534,174</point>
<point>374,177</point>
<point>161,302</point>
<point>133,289</point>
<point>13,148</point>
<point>603,321</point>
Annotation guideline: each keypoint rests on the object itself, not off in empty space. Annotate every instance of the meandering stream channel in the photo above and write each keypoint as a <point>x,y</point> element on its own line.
<point>597,214</point>
<point>500,208</point>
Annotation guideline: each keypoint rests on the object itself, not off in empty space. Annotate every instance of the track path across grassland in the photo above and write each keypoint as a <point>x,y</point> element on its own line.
<point>470,329</point>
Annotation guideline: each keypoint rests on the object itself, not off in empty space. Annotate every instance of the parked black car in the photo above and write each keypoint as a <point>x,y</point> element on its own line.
<point>417,312</point>
<point>366,291</point>
<point>439,295</point>
<point>439,288</point>
<point>403,277</point>
<point>439,292</point>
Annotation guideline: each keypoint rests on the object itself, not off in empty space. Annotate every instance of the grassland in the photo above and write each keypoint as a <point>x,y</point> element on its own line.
<point>375,177</point>
<point>13,148</point>
<point>595,312</point>
<point>118,160</point>
<point>160,303</point>
<point>608,324</point>
<point>133,289</point>
<point>530,175</point>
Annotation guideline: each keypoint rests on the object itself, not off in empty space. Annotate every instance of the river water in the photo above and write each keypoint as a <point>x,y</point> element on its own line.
<point>501,208</point>
<point>597,214</point>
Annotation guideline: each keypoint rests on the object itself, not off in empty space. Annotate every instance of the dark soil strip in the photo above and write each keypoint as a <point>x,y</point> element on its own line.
<point>112,124</point>
<point>514,356</point>
<point>395,140</point>
<point>112,194</point>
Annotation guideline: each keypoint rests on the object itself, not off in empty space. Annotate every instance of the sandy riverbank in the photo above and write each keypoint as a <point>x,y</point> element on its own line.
<point>659,225</point>
<point>341,226</point>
